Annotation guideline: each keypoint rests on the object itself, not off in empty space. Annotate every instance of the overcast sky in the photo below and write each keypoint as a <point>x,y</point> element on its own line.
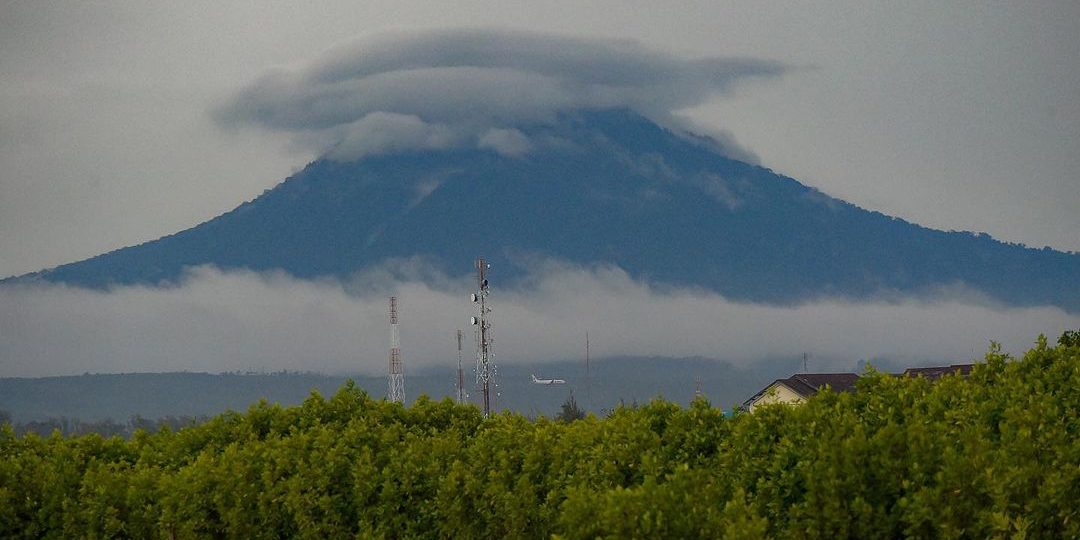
<point>116,129</point>
<point>120,123</point>
<point>954,115</point>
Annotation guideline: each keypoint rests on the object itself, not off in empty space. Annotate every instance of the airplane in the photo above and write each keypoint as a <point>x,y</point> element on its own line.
<point>547,381</point>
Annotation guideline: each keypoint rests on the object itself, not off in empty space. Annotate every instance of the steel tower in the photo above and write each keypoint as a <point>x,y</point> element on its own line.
<point>396,377</point>
<point>485,358</point>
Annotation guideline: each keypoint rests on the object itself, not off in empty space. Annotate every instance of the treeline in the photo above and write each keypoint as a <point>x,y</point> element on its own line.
<point>74,427</point>
<point>993,454</point>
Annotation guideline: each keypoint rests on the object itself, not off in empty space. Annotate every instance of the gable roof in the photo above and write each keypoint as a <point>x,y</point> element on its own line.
<point>808,384</point>
<point>936,372</point>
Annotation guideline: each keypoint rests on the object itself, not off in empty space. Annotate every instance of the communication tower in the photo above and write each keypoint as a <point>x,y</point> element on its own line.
<point>396,377</point>
<point>485,358</point>
<point>460,372</point>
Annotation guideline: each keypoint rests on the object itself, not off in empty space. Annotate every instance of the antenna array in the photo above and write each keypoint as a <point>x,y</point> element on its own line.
<point>485,358</point>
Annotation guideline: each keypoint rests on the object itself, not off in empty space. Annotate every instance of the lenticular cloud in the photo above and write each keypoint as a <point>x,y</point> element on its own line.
<point>461,84</point>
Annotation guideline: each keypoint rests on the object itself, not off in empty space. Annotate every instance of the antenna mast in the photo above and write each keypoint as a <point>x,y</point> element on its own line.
<point>396,377</point>
<point>485,364</point>
<point>588,379</point>
<point>460,373</point>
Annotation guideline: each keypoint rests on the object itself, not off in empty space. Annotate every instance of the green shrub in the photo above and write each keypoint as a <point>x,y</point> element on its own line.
<point>994,454</point>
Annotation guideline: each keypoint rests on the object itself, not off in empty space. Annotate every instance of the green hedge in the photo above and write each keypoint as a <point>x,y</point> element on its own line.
<point>994,454</point>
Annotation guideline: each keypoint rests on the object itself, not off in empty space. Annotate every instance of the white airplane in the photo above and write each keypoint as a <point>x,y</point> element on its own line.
<point>547,381</point>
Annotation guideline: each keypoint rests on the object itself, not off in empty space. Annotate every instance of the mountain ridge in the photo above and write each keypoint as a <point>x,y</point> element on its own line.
<point>595,186</point>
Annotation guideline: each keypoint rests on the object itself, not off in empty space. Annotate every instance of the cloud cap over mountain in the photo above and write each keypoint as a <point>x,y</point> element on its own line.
<point>455,85</point>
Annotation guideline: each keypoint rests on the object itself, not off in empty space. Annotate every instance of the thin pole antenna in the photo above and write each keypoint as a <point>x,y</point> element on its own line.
<point>460,372</point>
<point>805,358</point>
<point>588,378</point>
<point>396,375</point>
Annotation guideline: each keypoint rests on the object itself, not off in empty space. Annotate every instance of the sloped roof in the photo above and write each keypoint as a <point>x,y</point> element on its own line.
<point>936,372</point>
<point>808,384</point>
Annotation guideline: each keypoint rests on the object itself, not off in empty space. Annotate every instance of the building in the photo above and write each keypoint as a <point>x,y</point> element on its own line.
<point>797,388</point>
<point>935,373</point>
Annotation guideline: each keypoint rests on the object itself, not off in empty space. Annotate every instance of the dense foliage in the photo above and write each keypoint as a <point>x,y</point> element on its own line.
<point>105,428</point>
<point>993,454</point>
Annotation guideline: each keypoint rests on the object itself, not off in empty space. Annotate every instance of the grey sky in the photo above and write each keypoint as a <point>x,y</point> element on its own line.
<point>953,115</point>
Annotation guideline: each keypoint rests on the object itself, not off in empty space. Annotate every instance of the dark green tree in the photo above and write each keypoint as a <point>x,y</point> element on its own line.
<point>570,410</point>
<point>994,454</point>
<point>1071,338</point>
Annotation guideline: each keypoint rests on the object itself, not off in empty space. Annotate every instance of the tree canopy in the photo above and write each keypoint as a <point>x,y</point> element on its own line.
<point>996,453</point>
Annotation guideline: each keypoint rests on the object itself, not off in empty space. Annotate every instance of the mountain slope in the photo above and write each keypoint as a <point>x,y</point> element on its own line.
<point>596,187</point>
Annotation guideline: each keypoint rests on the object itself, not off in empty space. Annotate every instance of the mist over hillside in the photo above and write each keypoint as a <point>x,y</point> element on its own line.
<point>595,187</point>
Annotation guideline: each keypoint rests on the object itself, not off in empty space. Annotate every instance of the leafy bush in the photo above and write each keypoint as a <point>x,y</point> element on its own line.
<point>993,454</point>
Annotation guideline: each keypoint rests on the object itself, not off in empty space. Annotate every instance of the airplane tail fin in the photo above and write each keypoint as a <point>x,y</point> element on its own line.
<point>534,378</point>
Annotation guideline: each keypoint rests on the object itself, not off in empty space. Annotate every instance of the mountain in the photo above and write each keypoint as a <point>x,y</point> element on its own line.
<point>594,187</point>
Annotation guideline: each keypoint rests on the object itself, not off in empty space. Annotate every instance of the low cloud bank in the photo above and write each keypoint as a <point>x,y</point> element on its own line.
<point>451,88</point>
<point>224,321</point>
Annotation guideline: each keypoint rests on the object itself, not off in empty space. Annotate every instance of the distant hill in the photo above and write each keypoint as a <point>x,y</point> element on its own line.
<point>606,187</point>
<point>94,397</point>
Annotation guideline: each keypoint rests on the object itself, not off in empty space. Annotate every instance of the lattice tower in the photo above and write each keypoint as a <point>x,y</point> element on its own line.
<point>485,357</point>
<point>396,376</point>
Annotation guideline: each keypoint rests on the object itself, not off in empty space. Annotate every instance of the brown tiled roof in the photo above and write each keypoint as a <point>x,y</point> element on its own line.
<point>808,384</point>
<point>936,372</point>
